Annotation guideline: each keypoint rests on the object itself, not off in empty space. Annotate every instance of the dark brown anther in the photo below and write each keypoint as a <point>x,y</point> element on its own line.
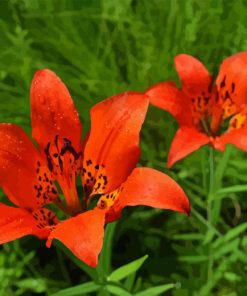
<point>206,100</point>
<point>227,95</point>
<point>56,141</point>
<point>223,82</point>
<point>60,163</point>
<point>67,141</point>
<point>48,156</point>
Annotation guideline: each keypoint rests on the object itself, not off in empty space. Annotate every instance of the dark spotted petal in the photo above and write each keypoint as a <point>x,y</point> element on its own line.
<point>16,223</point>
<point>196,84</point>
<point>57,129</point>
<point>194,76</point>
<point>53,111</point>
<point>112,149</point>
<point>24,176</point>
<point>237,137</point>
<point>231,83</point>
<point>152,188</point>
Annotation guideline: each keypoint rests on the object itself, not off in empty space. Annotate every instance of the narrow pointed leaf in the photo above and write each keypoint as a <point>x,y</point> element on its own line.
<point>79,290</point>
<point>125,270</point>
<point>232,189</point>
<point>104,266</point>
<point>158,290</point>
<point>129,282</point>
<point>116,290</point>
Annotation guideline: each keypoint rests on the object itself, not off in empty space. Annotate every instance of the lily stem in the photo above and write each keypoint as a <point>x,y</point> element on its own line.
<point>209,208</point>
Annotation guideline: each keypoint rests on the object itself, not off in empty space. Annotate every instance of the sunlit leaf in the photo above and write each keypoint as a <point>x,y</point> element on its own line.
<point>155,290</point>
<point>123,271</point>
<point>35,285</point>
<point>82,289</point>
<point>116,290</point>
<point>194,259</point>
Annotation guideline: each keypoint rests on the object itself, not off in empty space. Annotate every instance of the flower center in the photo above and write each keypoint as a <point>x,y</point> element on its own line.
<point>64,164</point>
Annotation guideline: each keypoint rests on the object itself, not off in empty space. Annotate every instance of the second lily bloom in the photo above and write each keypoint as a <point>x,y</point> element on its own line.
<point>208,112</point>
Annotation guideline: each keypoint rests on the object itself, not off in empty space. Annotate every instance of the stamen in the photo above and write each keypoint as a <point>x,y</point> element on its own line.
<point>65,164</point>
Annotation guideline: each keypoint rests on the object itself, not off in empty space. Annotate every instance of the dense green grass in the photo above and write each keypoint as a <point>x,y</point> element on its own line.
<point>100,48</point>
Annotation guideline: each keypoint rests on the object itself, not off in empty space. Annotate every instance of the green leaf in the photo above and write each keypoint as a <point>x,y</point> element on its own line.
<point>230,247</point>
<point>104,265</point>
<point>116,290</point>
<point>35,285</point>
<point>193,259</point>
<point>82,289</point>
<point>125,270</point>
<point>232,189</point>
<point>221,168</point>
<point>129,282</point>
<point>155,290</point>
<point>208,237</point>
<point>230,235</point>
<point>232,277</point>
<point>235,232</point>
<point>189,236</point>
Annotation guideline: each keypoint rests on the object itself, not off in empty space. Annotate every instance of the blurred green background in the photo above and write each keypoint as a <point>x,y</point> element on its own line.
<point>100,48</point>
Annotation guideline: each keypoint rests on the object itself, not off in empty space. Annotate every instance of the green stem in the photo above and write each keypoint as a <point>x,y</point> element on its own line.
<point>211,183</point>
<point>211,170</point>
<point>62,266</point>
<point>209,210</point>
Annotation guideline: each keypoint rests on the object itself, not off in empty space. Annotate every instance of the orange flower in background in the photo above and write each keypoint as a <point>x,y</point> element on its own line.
<point>105,161</point>
<point>206,113</point>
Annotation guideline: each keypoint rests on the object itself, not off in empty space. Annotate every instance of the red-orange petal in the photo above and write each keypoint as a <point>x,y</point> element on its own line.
<point>168,97</point>
<point>16,223</point>
<point>231,83</point>
<point>186,141</point>
<point>151,188</point>
<point>24,176</point>
<point>237,137</point>
<point>196,84</point>
<point>83,235</point>
<point>194,76</point>
<point>53,111</point>
<point>112,149</point>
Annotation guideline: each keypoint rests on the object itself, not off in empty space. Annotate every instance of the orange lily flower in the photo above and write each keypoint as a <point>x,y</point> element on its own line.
<point>207,113</point>
<point>106,162</point>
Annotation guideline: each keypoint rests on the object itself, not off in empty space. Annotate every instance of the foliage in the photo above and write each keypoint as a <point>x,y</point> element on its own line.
<point>100,48</point>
